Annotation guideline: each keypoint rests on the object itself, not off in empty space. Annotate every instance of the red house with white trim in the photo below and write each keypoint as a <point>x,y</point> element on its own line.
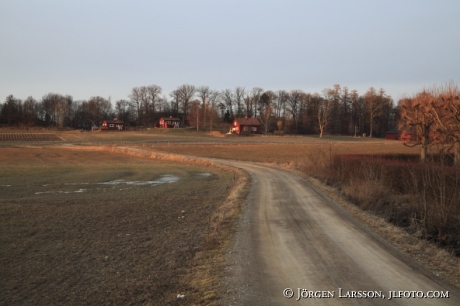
<point>112,125</point>
<point>170,122</point>
<point>245,126</point>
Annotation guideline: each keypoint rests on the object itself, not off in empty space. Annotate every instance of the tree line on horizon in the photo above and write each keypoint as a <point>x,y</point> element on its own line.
<point>337,110</point>
<point>431,116</point>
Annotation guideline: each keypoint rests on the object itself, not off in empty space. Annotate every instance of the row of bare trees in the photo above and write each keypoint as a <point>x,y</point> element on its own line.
<point>337,110</point>
<point>432,117</point>
<point>55,110</point>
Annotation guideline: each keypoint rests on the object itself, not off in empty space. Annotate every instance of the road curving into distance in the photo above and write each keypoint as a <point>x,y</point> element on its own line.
<point>295,246</point>
<point>293,240</point>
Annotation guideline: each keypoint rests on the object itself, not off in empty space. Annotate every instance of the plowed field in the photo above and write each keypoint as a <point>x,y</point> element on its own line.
<point>29,137</point>
<point>79,227</point>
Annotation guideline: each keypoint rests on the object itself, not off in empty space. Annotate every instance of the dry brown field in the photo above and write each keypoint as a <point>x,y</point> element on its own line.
<point>284,153</point>
<point>29,137</point>
<point>80,227</point>
<point>68,238</point>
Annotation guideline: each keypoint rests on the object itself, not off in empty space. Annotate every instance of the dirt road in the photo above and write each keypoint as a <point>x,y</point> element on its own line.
<point>292,236</point>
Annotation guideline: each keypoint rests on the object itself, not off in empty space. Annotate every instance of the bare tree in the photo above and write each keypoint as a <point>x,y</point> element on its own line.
<point>294,99</point>
<point>145,105</point>
<point>125,110</point>
<point>417,118</point>
<point>325,107</point>
<point>446,111</point>
<point>239,100</point>
<point>10,110</point>
<point>333,95</point>
<point>265,108</point>
<point>145,98</point>
<point>186,93</point>
<point>373,108</point>
<point>345,113</point>
<point>30,111</point>
<point>251,101</point>
<point>227,96</point>
<point>154,92</point>
<point>136,99</point>
<point>280,108</point>
<point>222,108</point>
<point>58,107</point>
<point>203,94</point>
<point>305,113</point>
<point>195,109</point>
<point>175,95</point>
<point>62,109</point>
<point>163,105</point>
<point>214,96</point>
<point>98,109</point>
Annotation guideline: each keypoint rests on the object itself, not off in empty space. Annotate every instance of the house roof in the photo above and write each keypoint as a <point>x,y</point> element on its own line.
<point>114,121</point>
<point>247,121</point>
<point>170,119</point>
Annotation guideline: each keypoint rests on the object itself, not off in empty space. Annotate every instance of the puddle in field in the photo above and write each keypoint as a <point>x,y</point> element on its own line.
<point>167,178</point>
<point>54,192</point>
<point>204,174</point>
<point>164,179</point>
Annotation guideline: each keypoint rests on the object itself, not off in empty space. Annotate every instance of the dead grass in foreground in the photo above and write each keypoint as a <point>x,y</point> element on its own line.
<point>141,245</point>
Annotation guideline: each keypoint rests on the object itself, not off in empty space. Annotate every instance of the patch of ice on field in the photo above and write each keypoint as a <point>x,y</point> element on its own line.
<point>204,174</point>
<point>115,182</point>
<point>167,178</point>
<point>60,191</point>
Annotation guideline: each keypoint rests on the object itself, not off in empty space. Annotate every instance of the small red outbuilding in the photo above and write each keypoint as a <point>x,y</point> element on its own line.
<point>393,134</point>
<point>245,126</point>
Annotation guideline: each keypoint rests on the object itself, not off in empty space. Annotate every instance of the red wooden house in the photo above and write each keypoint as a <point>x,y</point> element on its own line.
<point>112,125</point>
<point>245,126</point>
<point>170,122</point>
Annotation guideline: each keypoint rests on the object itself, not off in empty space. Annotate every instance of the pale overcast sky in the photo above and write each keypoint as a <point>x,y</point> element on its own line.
<point>86,48</point>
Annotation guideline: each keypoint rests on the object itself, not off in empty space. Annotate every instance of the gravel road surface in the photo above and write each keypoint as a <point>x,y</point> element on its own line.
<point>293,237</point>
